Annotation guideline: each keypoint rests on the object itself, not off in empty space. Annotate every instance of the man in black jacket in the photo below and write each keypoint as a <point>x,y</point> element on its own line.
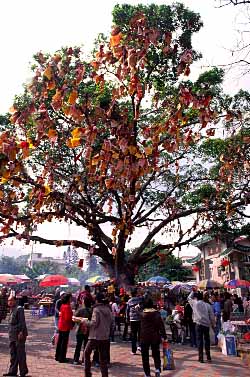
<point>17,338</point>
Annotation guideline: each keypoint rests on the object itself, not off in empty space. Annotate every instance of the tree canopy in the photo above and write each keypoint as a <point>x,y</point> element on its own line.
<point>124,141</point>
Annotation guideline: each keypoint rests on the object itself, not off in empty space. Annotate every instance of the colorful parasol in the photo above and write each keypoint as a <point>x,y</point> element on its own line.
<point>24,278</point>
<point>74,281</point>
<point>237,283</point>
<point>97,279</point>
<point>209,284</point>
<point>8,279</point>
<point>54,281</point>
<point>179,288</point>
<point>158,280</point>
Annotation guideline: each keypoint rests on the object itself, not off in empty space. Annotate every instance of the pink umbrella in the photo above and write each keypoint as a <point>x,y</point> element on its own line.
<point>8,279</point>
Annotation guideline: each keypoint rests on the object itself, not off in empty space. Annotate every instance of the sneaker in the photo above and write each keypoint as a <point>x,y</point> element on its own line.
<point>76,362</point>
<point>139,349</point>
<point>157,373</point>
<point>97,365</point>
<point>132,353</point>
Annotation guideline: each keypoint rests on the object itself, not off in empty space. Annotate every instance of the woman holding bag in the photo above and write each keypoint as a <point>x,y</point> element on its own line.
<point>65,324</point>
<point>82,333</point>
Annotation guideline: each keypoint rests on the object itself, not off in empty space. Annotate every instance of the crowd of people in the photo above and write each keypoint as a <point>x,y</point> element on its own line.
<point>97,318</point>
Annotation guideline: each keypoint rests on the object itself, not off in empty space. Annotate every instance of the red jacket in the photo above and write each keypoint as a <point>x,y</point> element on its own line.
<point>65,318</point>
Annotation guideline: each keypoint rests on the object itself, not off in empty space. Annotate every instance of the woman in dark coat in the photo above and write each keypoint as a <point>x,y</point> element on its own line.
<point>82,333</point>
<point>65,324</point>
<point>152,330</point>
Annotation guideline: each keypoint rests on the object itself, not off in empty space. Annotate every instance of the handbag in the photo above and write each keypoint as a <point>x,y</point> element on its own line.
<point>168,356</point>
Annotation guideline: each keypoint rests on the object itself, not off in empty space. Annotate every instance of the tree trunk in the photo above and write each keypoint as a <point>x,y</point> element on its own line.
<point>124,273</point>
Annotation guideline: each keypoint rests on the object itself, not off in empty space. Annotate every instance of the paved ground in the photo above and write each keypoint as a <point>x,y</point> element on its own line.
<point>40,354</point>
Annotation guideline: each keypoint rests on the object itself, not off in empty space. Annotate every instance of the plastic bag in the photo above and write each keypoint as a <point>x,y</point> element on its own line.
<point>168,357</point>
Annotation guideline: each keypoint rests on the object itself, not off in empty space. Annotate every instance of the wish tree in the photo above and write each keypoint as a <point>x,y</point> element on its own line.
<point>122,141</point>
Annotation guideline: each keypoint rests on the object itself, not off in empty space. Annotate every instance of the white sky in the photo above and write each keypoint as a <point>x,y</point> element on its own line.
<point>29,26</point>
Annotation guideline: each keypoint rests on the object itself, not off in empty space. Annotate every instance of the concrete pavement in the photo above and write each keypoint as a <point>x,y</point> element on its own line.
<point>41,363</point>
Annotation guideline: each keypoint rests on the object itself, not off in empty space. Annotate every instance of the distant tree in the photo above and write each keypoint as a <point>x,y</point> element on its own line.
<point>170,267</point>
<point>71,258</point>
<point>10,265</point>
<point>42,268</point>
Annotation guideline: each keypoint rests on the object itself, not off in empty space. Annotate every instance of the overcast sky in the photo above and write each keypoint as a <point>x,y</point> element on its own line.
<point>29,26</point>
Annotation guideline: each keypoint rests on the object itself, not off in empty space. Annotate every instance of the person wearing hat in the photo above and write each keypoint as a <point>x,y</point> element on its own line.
<point>100,327</point>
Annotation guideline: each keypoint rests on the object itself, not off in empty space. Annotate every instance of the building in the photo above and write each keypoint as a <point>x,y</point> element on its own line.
<point>219,261</point>
<point>38,257</point>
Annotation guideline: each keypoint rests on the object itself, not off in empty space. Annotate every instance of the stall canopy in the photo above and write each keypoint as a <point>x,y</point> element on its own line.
<point>97,279</point>
<point>74,281</point>
<point>237,283</point>
<point>8,279</point>
<point>24,278</point>
<point>54,281</point>
<point>209,284</point>
<point>158,280</point>
<point>41,277</point>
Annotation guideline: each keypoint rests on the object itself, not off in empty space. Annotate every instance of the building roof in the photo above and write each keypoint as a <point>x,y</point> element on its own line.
<point>194,259</point>
<point>203,240</point>
<point>226,252</point>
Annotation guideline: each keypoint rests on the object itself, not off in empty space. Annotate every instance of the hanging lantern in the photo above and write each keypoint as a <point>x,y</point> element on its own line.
<point>80,263</point>
<point>195,268</point>
<point>225,262</point>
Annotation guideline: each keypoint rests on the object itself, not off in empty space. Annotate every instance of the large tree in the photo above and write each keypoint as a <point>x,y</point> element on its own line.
<point>117,140</point>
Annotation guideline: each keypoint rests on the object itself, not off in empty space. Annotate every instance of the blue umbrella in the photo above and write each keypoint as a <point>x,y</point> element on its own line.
<point>158,280</point>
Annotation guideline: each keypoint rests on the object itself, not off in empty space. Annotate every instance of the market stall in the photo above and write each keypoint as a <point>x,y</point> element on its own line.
<point>234,338</point>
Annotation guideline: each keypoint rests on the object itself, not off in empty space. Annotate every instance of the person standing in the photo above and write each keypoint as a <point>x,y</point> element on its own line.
<point>99,331</point>
<point>204,318</point>
<point>133,316</point>
<point>217,314</point>
<point>24,299</point>
<point>83,294</point>
<point>58,305</point>
<point>152,330</point>
<point>65,324</point>
<point>82,333</point>
<point>228,307</point>
<point>17,338</point>
<point>191,326</point>
<point>57,295</point>
<point>3,303</point>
